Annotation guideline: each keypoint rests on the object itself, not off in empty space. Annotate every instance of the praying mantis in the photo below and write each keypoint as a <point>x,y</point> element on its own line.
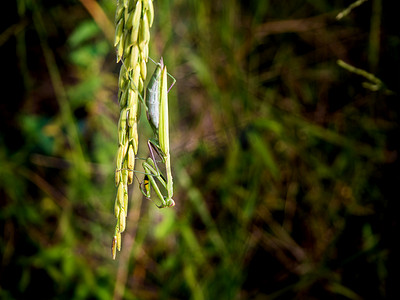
<point>157,115</point>
<point>156,104</point>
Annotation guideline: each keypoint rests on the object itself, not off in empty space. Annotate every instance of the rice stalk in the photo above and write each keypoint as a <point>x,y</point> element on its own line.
<point>133,19</point>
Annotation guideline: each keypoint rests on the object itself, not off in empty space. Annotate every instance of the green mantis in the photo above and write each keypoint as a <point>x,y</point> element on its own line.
<point>157,115</point>
<point>156,104</point>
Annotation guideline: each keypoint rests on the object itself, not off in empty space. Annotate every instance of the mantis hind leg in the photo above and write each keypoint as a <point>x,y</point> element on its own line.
<point>154,147</point>
<point>150,181</point>
<point>173,83</point>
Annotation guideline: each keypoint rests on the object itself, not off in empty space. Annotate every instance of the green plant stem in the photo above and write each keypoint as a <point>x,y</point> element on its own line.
<point>374,35</point>
<point>67,117</point>
<point>346,11</point>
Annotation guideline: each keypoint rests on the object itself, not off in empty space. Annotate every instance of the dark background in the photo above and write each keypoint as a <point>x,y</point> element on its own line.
<point>285,165</point>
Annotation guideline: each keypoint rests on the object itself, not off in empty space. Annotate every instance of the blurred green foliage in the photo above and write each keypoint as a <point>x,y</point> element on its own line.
<point>285,166</point>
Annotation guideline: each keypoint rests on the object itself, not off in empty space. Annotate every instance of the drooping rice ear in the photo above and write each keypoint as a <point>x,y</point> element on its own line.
<point>133,19</point>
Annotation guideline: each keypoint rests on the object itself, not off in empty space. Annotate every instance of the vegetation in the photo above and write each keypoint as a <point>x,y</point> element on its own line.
<point>284,138</point>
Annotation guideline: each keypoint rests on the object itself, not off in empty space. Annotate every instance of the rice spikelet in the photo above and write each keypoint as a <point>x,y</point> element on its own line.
<point>133,19</point>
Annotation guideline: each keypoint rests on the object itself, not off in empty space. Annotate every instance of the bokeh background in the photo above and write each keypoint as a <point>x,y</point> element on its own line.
<point>285,164</point>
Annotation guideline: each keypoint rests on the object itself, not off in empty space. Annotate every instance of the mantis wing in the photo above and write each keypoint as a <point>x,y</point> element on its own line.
<point>163,133</point>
